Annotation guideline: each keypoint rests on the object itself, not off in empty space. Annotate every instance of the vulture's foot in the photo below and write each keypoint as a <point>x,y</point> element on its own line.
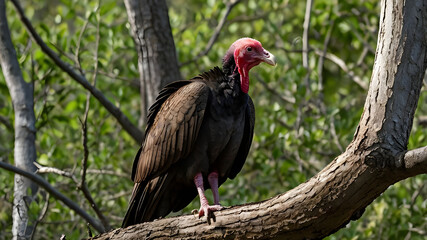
<point>208,211</point>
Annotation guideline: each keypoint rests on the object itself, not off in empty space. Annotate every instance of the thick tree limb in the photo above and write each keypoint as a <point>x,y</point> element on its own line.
<point>55,193</point>
<point>374,160</point>
<point>21,93</point>
<point>416,161</point>
<point>305,212</point>
<point>127,125</point>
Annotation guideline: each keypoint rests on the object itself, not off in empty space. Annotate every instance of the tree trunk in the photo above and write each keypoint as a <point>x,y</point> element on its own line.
<point>25,130</point>
<point>157,61</point>
<point>374,160</point>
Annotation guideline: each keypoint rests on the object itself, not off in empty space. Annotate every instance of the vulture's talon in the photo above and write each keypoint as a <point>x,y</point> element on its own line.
<point>195,212</point>
<point>208,211</point>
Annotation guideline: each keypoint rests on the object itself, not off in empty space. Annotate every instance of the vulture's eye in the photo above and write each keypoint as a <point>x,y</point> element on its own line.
<point>248,49</point>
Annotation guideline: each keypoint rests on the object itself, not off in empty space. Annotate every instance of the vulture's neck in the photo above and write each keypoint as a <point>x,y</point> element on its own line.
<point>231,72</point>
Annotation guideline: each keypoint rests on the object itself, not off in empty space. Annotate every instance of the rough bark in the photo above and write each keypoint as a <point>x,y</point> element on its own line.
<point>157,61</point>
<point>21,93</point>
<point>374,160</point>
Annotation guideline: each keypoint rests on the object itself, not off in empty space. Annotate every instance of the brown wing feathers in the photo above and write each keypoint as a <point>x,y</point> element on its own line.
<point>173,131</point>
<point>173,124</point>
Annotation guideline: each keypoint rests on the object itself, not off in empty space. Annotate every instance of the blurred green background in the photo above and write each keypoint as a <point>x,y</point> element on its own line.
<point>304,118</point>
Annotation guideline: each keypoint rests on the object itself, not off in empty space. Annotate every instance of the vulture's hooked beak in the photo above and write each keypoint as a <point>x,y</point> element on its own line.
<point>268,58</point>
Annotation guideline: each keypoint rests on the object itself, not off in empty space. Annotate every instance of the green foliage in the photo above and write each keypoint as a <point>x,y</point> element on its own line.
<point>301,126</point>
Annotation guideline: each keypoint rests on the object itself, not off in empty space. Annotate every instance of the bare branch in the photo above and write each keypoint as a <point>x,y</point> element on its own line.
<point>338,61</point>
<point>282,97</point>
<point>131,129</point>
<point>82,185</point>
<point>108,172</point>
<point>43,169</point>
<point>305,44</point>
<point>415,161</point>
<point>422,120</point>
<point>65,173</point>
<point>55,193</point>
<point>87,107</point>
<point>322,56</point>
<point>41,215</point>
<point>77,54</point>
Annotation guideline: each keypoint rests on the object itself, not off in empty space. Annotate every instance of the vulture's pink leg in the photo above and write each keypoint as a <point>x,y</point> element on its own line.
<point>213,182</point>
<point>205,209</point>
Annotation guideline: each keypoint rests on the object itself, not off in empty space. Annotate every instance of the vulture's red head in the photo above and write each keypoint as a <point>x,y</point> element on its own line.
<point>248,53</point>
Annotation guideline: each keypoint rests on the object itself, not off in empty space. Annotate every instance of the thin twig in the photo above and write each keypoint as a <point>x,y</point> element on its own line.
<point>5,121</point>
<point>77,54</point>
<point>83,186</point>
<point>274,91</point>
<point>338,61</point>
<point>320,74</point>
<point>118,195</point>
<point>215,35</point>
<point>132,81</point>
<point>41,216</point>
<point>305,45</point>
<point>127,125</point>
<point>322,57</point>
<point>107,172</point>
<point>334,134</point>
<point>43,169</point>
<point>45,93</point>
<point>61,52</point>
<point>87,107</point>
<point>55,193</point>
<point>66,173</point>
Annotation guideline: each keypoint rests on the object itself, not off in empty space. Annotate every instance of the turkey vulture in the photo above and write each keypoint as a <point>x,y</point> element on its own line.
<point>198,134</point>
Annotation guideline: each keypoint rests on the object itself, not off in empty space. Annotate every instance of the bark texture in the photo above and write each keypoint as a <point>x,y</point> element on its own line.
<point>374,160</point>
<point>21,93</point>
<point>157,61</point>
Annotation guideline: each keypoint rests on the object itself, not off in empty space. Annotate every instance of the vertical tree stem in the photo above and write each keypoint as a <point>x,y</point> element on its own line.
<point>21,93</point>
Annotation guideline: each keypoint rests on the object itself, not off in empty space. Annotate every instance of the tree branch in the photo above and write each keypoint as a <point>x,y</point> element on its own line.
<point>24,155</point>
<point>305,212</point>
<point>416,161</point>
<point>127,125</point>
<point>338,61</point>
<point>282,97</point>
<point>343,189</point>
<point>305,44</point>
<point>55,193</point>
<point>41,215</point>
